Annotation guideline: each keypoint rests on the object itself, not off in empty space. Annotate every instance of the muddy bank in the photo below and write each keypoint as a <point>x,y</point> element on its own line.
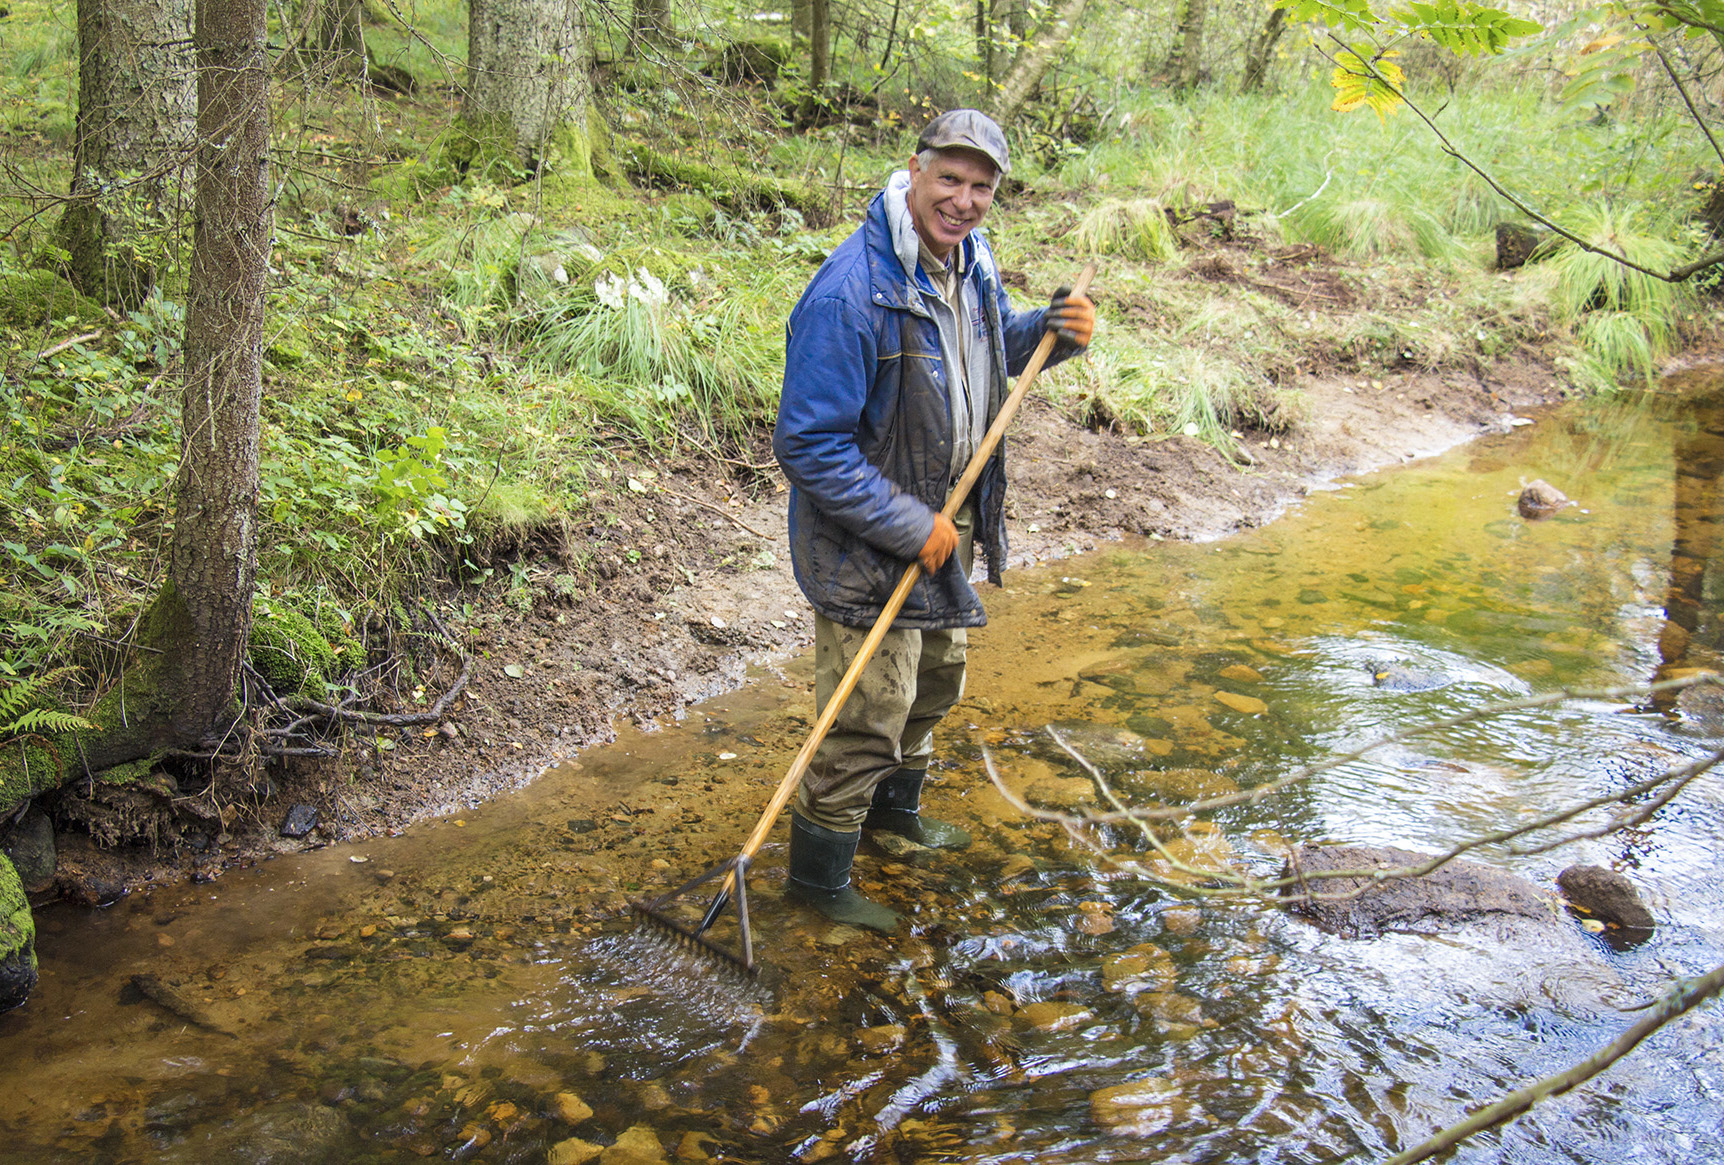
<point>703,587</point>
<point>684,583</point>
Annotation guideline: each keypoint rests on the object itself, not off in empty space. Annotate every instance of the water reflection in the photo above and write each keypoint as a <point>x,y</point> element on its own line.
<point>470,991</point>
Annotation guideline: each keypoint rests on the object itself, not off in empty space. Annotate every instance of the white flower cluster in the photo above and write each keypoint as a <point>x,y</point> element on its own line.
<point>614,291</point>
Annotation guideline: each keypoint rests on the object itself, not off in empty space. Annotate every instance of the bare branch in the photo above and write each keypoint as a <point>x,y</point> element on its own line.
<point>1684,997</point>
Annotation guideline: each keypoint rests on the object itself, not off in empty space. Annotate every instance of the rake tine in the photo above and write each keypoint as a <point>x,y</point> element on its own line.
<point>696,936</point>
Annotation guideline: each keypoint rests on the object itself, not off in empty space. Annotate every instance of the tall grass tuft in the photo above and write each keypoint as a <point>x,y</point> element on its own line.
<point>1625,319</point>
<point>664,366</point>
<point>1376,226</point>
<point>1135,228</point>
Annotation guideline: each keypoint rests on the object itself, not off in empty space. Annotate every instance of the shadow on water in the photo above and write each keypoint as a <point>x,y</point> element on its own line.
<point>471,991</point>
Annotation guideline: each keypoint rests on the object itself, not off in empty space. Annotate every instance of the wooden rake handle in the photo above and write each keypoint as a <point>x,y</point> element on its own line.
<point>960,491</point>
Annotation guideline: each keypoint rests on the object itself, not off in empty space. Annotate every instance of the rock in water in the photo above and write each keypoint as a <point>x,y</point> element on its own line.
<point>17,940</point>
<point>1407,677</point>
<point>1609,897</point>
<point>1452,894</point>
<point>1540,500</point>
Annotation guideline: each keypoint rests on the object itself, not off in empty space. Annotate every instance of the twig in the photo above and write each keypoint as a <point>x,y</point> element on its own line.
<point>1664,60</point>
<point>719,510</point>
<point>1246,886</point>
<point>1686,996</point>
<point>64,344</point>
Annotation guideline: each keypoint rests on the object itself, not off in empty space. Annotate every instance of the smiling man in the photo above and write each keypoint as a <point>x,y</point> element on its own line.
<point>897,358</point>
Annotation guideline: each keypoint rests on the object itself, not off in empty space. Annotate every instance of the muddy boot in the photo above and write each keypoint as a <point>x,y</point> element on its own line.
<point>820,876</point>
<point>896,809</point>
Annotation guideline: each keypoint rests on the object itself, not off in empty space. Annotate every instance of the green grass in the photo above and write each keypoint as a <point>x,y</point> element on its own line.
<point>1624,319</point>
<point>458,376</point>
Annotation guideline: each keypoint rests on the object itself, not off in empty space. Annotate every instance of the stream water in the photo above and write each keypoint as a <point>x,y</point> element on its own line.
<point>469,991</point>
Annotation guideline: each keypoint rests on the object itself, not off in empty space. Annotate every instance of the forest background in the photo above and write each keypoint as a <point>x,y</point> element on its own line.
<point>339,334</point>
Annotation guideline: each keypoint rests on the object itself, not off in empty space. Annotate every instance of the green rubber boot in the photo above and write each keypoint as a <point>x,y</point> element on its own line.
<point>897,809</point>
<point>820,876</point>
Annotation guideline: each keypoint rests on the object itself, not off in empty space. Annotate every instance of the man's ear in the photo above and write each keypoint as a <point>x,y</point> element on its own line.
<point>915,165</point>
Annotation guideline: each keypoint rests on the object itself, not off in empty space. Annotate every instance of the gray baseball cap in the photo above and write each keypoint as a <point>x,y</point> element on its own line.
<point>967,129</point>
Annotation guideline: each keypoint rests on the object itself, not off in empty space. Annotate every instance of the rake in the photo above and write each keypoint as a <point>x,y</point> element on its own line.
<point>735,871</point>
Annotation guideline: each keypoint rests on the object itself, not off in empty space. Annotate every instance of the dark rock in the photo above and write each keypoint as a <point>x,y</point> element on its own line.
<point>17,940</point>
<point>1458,892</point>
<point>1519,244</point>
<point>1540,500</point>
<point>300,820</point>
<point>1407,677</point>
<point>29,842</point>
<point>1607,896</point>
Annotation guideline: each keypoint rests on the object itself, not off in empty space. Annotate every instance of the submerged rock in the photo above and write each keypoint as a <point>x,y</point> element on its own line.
<point>1540,500</point>
<point>1456,893</point>
<point>289,1133</point>
<point>1142,1108</point>
<point>1401,676</point>
<point>17,940</point>
<point>1609,897</point>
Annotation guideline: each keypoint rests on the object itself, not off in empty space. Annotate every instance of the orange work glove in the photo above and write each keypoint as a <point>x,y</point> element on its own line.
<point>940,544</point>
<point>1071,317</point>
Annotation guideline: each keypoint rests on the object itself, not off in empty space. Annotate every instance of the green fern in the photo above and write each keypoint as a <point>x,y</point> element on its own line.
<point>22,715</point>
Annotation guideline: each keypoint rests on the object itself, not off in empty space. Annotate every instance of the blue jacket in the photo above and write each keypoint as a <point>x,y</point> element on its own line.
<point>864,431</point>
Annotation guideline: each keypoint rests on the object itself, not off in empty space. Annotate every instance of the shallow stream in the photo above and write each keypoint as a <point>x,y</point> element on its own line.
<point>469,991</point>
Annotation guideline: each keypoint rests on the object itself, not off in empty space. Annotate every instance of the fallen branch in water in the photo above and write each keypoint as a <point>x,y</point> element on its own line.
<point>1684,997</point>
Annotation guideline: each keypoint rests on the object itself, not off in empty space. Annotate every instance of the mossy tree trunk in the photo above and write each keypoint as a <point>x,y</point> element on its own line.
<point>801,18</point>
<point>527,74</point>
<point>819,44</point>
<point>1184,66</point>
<point>135,128</point>
<point>1258,50</point>
<point>1034,60</point>
<point>204,616</point>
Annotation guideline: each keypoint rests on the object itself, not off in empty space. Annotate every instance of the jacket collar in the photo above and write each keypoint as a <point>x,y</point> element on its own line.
<point>893,250</point>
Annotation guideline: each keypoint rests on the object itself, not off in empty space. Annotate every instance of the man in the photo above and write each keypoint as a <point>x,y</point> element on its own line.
<point>898,356</point>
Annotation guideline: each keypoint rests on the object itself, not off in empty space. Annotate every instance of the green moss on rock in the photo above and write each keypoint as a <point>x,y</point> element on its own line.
<point>290,652</point>
<point>17,939</point>
<point>736,190</point>
<point>30,298</point>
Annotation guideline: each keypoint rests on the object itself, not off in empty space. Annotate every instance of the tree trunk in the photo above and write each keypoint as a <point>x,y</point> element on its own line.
<point>1034,61</point>
<point>819,44</point>
<point>341,34</point>
<point>1184,67</point>
<point>801,20</point>
<point>1196,14</point>
<point>527,74</point>
<point>136,121</point>
<point>1258,50</point>
<point>205,610</point>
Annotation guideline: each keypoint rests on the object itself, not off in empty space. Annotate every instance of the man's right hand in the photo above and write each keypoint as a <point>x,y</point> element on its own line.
<point>940,544</point>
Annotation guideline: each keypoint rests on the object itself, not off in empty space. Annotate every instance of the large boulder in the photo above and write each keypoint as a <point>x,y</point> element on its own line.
<point>1369,904</point>
<point>17,939</point>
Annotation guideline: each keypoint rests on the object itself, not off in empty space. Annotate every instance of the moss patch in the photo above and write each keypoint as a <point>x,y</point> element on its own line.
<point>29,299</point>
<point>736,190</point>
<point>17,939</point>
<point>290,652</point>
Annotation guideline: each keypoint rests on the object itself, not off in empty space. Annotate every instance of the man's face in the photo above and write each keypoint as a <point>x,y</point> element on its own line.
<point>949,197</point>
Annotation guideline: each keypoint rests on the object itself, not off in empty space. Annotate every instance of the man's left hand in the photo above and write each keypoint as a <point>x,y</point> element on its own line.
<point>1071,317</point>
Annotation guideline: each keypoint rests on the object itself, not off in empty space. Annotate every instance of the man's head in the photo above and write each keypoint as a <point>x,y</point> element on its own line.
<point>960,159</point>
